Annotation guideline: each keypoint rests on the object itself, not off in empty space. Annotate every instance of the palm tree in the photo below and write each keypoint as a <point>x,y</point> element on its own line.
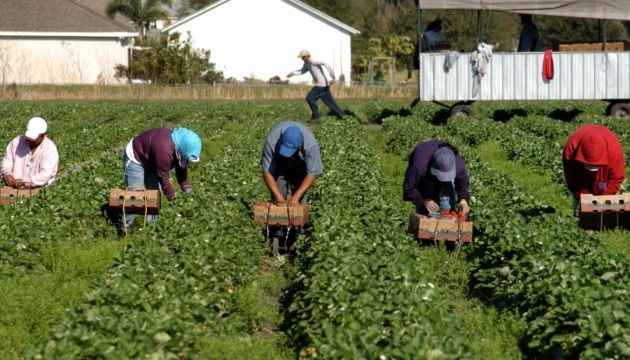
<point>141,12</point>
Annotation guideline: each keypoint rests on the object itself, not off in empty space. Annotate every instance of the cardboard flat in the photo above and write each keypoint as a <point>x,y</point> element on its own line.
<point>135,201</point>
<point>267,213</point>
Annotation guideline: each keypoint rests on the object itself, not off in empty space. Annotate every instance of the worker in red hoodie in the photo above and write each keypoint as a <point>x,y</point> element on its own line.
<point>593,162</point>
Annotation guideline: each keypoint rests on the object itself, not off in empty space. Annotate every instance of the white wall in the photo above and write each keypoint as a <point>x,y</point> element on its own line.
<point>262,39</point>
<point>54,61</point>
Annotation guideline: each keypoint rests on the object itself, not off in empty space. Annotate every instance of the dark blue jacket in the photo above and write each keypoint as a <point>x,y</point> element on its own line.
<point>420,185</point>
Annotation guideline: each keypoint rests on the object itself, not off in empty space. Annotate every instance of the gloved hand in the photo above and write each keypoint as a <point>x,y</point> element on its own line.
<point>188,189</point>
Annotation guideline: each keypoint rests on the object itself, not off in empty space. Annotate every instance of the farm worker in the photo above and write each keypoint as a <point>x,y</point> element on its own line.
<point>149,157</point>
<point>530,38</point>
<point>593,162</point>
<point>290,161</point>
<point>31,159</point>
<point>436,179</point>
<point>321,89</point>
<point>433,37</point>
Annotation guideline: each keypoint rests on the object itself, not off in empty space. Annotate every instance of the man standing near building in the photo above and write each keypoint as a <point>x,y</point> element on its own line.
<point>31,160</point>
<point>321,89</point>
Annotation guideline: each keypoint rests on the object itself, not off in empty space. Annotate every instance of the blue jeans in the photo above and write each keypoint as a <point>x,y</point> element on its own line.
<point>318,92</point>
<point>137,176</point>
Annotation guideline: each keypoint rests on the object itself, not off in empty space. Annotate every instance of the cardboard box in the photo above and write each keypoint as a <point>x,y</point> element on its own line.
<point>441,228</point>
<point>135,201</point>
<point>267,213</point>
<point>603,212</point>
<point>9,195</point>
<point>598,46</point>
<point>604,203</point>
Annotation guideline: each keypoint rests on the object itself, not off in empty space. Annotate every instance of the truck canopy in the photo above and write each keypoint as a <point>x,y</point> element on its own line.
<point>592,9</point>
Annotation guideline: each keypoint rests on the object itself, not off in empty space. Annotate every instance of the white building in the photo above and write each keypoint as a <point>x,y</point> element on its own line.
<point>59,42</point>
<point>261,39</point>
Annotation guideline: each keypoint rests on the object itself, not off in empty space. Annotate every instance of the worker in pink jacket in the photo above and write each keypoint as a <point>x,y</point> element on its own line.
<point>31,160</point>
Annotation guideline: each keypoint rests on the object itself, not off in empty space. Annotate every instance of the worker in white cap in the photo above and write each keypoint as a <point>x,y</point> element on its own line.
<point>31,160</point>
<point>321,86</point>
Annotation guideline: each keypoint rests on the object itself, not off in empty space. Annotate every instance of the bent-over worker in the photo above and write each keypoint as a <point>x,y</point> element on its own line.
<point>436,179</point>
<point>291,161</point>
<point>149,157</point>
<point>593,162</point>
<point>31,160</point>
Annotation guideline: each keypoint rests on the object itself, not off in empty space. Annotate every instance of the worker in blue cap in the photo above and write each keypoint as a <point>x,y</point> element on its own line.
<point>149,157</point>
<point>291,161</point>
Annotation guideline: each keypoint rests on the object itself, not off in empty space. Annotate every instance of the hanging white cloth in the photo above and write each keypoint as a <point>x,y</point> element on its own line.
<point>479,60</point>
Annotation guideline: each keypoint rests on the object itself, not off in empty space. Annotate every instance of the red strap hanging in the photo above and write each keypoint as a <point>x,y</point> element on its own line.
<point>547,72</point>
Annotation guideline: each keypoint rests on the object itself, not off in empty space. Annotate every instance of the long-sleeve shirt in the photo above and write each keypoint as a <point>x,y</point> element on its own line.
<point>308,156</point>
<point>315,68</point>
<point>530,39</point>
<point>36,168</point>
<point>155,149</point>
<point>420,185</point>
<point>605,181</point>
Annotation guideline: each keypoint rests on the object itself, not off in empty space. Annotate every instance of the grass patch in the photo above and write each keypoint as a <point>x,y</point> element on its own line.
<point>31,302</point>
<point>260,304</point>
<point>242,348</point>
<point>540,186</point>
<point>490,333</point>
<point>617,240</point>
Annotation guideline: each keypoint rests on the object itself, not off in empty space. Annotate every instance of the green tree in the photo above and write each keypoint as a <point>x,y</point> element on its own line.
<point>170,61</point>
<point>141,12</point>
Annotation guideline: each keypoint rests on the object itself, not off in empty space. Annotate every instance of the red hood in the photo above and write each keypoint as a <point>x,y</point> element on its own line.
<point>592,150</point>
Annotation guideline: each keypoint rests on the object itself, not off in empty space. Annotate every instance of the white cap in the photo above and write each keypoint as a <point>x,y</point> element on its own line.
<point>36,126</point>
<point>304,53</point>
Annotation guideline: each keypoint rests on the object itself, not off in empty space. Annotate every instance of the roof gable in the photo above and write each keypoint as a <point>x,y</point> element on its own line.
<point>99,6</point>
<point>54,16</point>
<point>295,3</point>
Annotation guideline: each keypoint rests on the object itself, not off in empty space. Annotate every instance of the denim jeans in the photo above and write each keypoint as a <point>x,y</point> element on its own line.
<point>139,177</point>
<point>318,92</point>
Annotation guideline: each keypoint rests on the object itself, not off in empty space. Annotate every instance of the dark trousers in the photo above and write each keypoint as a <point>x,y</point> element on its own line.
<point>318,92</point>
<point>289,181</point>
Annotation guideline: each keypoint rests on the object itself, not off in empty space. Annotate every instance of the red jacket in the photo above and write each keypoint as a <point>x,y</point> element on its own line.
<point>593,145</point>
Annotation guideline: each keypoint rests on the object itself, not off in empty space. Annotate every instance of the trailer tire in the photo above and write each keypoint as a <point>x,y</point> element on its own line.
<point>620,110</point>
<point>462,110</point>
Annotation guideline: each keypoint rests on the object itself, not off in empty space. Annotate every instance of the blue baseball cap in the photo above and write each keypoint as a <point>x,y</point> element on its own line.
<point>187,143</point>
<point>444,164</point>
<point>290,141</point>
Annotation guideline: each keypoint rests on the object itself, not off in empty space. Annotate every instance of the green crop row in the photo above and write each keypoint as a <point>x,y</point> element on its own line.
<point>573,293</point>
<point>180,280</point>
<point>91,163</point>
<point>360,292</point>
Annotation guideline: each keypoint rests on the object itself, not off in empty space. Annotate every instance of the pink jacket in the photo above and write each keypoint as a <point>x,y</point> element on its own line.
<point>35,169</point>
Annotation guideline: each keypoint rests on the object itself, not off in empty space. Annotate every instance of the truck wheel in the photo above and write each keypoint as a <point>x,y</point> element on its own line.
<point>620,110</point>
<point>462,110</point>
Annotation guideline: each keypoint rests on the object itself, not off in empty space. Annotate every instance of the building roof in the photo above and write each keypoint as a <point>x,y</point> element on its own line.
<point>100,5</point>
<point>38,17</point>
<point>296,3</point>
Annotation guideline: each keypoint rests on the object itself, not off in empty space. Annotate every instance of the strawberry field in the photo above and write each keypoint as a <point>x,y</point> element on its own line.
<point>199,283</point>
